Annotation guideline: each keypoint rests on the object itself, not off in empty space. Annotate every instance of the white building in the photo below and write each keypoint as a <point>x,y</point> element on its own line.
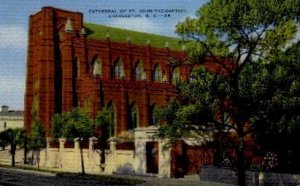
<point>10,118</point>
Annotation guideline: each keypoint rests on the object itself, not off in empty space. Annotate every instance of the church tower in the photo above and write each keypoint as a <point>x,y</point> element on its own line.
<point>50,64</point>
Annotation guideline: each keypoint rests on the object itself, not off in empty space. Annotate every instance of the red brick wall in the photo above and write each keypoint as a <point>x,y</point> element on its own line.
<point>187,159</point>
<point>52,53</point>
<point>51,56</point>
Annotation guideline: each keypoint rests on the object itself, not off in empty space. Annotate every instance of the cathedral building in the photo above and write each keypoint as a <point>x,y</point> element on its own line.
<point>72,63</point>
<point>75,64</point>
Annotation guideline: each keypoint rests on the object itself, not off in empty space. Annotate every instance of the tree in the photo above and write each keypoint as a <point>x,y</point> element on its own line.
<point>103,121</point>
<point>73,124</point>
<point>57,122</point>
<point>235,35</point>
<point>278,122</point>
<point>13,137</point>
<point>37,139</point>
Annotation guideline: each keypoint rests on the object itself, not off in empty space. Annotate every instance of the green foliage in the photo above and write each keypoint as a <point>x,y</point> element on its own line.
<point>13,137</point>
<point>72,124</point>
<point>241,30</point>
<point>279,114</point>
<point>139,38</point>
<point>196,115</point>
<point>246,38</point>
<point>37,138</point>
<point>57,122</point>
<point>77,124</point>
<point>249,33</point>
<point>167,114</point>
<point>103,118</point>
<point>104,122</point>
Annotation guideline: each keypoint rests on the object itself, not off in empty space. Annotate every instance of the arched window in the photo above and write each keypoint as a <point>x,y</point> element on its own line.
<point>157,73</point>
<point>97,67</point>
<point>138,72</point>
<point>112,127</point>
<point>133,118</point>
<point>119,69</point>
<point>175,75</point>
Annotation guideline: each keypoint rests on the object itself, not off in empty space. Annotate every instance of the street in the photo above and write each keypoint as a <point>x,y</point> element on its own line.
<point>18,177</point>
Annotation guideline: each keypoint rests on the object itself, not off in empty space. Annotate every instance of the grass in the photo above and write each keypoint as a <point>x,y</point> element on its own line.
<point>95,31</point>
<point>107,179</point>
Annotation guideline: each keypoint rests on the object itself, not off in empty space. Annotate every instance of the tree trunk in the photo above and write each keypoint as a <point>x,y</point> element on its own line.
<point>25,155</point>
<point>13,163</point>
<point>241,163</point>
<point>102,154</point>
<point>240,128</point>
<point>13,153</point>
<point>32,157</point>
<point>38,159</point>
<point>25,150</point>
<point>81,155</point>
<point>218,156</point>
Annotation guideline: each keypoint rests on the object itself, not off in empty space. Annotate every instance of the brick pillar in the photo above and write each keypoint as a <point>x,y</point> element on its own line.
<point>40,65</point>
<point>46,88</point>
<point>128,67</point>
<point>48,161</point>
<point>113,144</point>
<point>91,143</point>
<point>107,61</point>
<point>67,74</point>
<point>62,142</point>
<point>122,111</point>
<point>97,97</point>
<point>144,112</point>
<point>77,158</point>
<point>148,66</point>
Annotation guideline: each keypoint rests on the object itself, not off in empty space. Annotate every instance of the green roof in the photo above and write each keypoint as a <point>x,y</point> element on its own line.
<point>95,31</point>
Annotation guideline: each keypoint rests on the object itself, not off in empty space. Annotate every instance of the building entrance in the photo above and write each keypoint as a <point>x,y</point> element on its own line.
<point>152,157</point>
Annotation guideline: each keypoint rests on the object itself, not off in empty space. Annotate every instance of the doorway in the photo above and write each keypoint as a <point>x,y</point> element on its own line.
<point>152,157</point>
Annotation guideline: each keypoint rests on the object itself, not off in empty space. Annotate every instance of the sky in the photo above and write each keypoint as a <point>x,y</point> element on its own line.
<point>14,16</point>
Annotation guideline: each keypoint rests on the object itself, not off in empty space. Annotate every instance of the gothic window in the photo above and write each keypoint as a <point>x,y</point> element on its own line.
<point>112,127</point>
<point>175,75</point>
<point>138,72</point>
<point>97,67</point>
<point>119,69</point>
<point>133,119</point>
<point>157,73</point>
